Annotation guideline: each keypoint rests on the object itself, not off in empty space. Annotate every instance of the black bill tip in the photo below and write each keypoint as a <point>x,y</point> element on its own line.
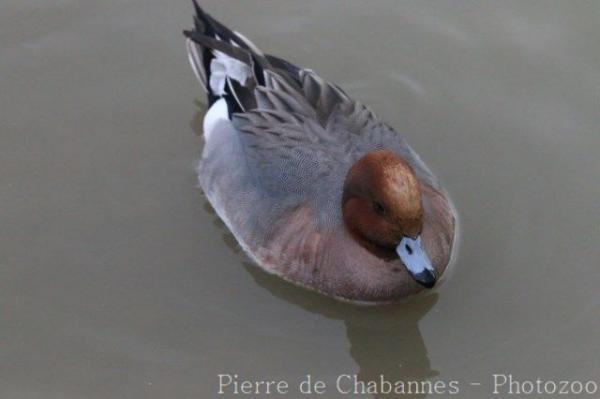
<point>426,278</point>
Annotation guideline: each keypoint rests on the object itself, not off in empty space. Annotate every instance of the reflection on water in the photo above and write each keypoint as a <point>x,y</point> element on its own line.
<point>384,340</point>
<point>197,121</point>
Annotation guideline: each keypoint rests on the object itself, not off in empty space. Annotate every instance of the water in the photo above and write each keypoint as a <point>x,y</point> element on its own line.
<point>117,279</point>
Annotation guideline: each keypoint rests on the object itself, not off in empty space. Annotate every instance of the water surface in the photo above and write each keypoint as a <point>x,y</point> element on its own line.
<point>118,280</point>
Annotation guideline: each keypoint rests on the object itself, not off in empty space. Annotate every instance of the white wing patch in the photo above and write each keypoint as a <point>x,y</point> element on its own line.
<point>222,67</point>
<point>216,113</point>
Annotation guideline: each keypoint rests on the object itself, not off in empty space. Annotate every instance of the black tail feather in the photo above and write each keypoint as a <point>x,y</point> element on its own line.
<point>211,35</point>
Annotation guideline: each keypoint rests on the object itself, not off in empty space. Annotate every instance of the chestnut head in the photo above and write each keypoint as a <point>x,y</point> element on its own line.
<point>383,210</point>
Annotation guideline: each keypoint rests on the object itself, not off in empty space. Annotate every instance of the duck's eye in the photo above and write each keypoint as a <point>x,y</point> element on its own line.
<point>378,208</point>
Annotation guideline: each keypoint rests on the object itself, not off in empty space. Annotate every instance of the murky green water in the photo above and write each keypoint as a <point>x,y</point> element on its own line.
<point>118,281</point>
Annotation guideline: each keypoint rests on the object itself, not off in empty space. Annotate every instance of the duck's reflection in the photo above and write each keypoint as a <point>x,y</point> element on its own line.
<point>384,340</point>
<point>198,117</point>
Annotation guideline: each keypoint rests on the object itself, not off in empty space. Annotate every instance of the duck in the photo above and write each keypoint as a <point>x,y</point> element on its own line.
<point>313,185</point>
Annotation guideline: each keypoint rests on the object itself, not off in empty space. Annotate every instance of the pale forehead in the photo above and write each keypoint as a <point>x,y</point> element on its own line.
<point>399,174</point>
<point>400,183</point>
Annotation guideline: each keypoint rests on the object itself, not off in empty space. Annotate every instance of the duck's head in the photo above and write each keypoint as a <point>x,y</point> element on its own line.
<point>383,210</point>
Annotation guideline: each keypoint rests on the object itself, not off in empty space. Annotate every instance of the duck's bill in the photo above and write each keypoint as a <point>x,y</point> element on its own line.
<point>417,262</point>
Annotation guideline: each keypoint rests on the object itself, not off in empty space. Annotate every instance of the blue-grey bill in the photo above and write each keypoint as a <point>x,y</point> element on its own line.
<point>417,262</point>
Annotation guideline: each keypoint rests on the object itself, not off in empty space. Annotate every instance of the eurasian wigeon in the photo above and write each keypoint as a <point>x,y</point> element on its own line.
<point>312,184</point>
